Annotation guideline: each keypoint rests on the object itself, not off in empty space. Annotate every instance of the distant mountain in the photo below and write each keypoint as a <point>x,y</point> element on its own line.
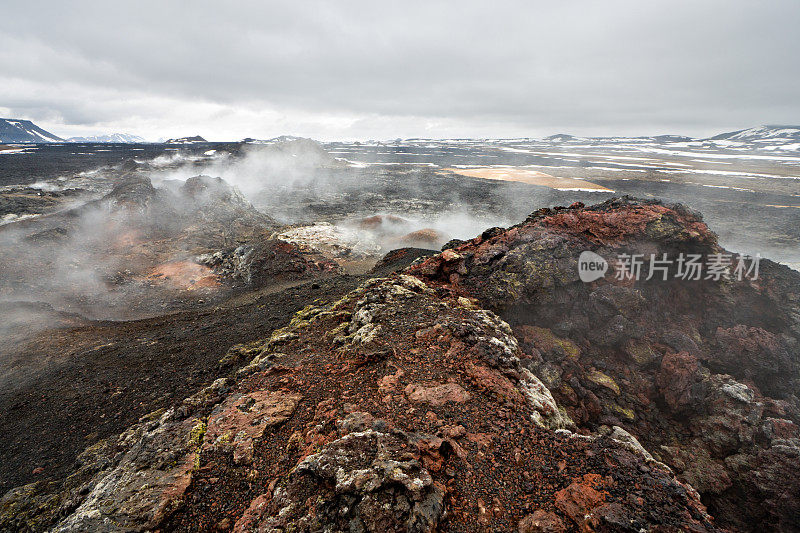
<point>186,140</point>
<point>14,130</point>
<point>761,134</point>
<point>560,137</point>
<point>770,137</point>
<point>275,140</point>
<point>672,138</point>
<point>572,139</point>
<point>110,138</point>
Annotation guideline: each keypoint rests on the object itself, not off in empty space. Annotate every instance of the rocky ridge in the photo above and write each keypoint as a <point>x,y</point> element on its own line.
<point>703,372</point>
<point>393,409</point>
<point>488,388</point>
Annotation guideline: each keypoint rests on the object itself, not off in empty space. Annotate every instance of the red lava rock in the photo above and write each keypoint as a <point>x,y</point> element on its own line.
<point>437,395</point>
<point>541,522</point>
<point>454,432</point>
<point>493,382</point>
<point>431,452</point>
<point>450,255</point>
<point>250,517</point>
<point>482,439</point>
<point>242,418</point>
<point>616,225</point>
<point>578,500</point>
<point>390,382</point>
<point>678,380</point>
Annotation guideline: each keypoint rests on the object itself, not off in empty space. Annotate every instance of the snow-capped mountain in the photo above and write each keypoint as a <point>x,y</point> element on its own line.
<point>14,130</point>
<point>762,134</point>
<point>122,138</point>
<point>761,138</point>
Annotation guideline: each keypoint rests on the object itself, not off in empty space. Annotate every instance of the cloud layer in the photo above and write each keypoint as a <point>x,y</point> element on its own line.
<point>347,69</point>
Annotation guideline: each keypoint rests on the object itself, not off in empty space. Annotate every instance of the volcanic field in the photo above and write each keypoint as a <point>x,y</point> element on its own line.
<point>361,344</point>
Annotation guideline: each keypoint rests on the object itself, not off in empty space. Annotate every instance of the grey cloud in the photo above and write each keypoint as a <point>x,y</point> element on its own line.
<point>585,66</point>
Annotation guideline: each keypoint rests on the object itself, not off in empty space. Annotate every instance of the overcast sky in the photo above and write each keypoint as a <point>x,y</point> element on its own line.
<point>380,69</point>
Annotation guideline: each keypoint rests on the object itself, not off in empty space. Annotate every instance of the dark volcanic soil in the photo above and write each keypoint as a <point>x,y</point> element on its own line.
<point>55,160</point>
<point>108,374</point>
<point>101,377</point>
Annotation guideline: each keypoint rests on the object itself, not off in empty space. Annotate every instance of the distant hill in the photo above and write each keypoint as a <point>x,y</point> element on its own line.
<point>769,137</point>
<point>761,134</point>
<point>672,138</point>
<point>14,130</point>
<point>560,137</point>
<point>186,140</point>
<point>275,140</point>
<point>122,138</point>
<point>565,138</point>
